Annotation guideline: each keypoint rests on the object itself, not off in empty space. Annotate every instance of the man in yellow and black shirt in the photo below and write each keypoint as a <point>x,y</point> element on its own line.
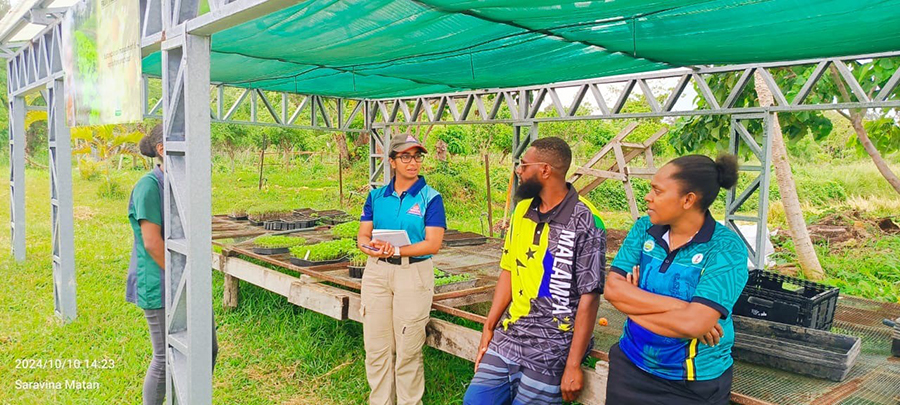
<point>552,275</point>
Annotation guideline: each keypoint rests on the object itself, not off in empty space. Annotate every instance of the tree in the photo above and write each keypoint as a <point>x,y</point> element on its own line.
<point>709,133</point>
<point>231,138</point>
<point>455,139</point>
<point>806,253</point>
<point>286,140</point>
<point>103,144</point>
<point>872,76</point>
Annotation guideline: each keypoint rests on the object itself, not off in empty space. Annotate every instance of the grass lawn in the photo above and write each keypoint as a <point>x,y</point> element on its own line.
<point>272,351</point>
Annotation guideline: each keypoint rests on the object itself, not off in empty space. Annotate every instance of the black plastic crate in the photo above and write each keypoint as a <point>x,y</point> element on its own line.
<point>779,298</point>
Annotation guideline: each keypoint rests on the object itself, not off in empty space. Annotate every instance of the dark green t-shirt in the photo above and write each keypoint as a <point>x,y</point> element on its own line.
<point>145,277</point>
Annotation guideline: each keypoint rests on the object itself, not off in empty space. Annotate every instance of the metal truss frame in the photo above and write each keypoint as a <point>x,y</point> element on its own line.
<point>17,175</point>
<point>37,63</point>
<point>762,151</point>
<point>173,27</point>
<point>379,144</point>
<point>484,106</point>
<point>61,202</point>
<point>323,113</point>
<point>187,213</point>
<point>37,67</point>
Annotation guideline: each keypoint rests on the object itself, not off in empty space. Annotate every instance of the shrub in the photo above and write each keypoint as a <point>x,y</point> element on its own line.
<point>111,189</point>
<point>610,195</point>
<point>278,241</point>
<point>89,169</point>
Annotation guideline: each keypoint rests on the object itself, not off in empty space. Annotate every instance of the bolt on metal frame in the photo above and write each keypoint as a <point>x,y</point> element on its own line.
<point>186,119</point>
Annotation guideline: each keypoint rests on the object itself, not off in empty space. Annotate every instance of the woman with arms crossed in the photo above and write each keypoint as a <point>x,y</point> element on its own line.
<point>677,276</point>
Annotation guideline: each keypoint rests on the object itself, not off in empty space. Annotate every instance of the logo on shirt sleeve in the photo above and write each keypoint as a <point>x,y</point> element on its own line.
<point>415,210</point>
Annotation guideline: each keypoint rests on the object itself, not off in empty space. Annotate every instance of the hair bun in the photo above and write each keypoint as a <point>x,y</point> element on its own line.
<point>727,168</point>
<point>147,149</point>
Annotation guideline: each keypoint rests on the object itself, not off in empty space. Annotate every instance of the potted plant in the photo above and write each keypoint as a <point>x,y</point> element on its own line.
<point>276,244</point>
<point>358,263</point>
<point>328,252</point>
<point>345,230</point>
<point>445,282</point>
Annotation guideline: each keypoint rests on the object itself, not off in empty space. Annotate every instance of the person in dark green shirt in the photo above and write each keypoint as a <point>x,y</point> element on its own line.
<point>145,286</point>
<point>677,276</point>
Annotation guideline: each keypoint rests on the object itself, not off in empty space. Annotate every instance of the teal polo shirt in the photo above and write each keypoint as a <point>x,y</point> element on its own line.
<point>145,278</point>
<point>412,210</point>
<point>711,269</point>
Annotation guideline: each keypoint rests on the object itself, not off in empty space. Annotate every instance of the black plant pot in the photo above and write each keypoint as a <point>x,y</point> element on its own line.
<point>357,271</point>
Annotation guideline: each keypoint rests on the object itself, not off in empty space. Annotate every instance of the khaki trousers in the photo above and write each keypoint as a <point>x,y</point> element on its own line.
<point>396,306</point>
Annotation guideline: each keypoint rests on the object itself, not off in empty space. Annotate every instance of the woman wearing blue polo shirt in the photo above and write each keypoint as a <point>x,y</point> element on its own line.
<point>677,276</point>
<point>398,282</point>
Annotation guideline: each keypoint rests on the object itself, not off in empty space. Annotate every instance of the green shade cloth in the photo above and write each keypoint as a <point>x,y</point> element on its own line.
<point>392,48</point>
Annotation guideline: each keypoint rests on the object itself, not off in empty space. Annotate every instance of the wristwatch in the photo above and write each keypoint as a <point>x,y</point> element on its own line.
<point>397,252</point>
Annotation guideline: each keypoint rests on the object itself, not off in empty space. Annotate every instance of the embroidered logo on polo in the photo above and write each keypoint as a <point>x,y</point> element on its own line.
<point>649,245</point>
<point>415,210</point>
<point>697,258</point>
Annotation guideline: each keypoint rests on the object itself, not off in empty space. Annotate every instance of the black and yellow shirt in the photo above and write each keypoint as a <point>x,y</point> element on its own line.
<point>554,258</point>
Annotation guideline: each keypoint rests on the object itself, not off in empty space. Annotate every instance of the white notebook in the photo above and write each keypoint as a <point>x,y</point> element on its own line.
<point>396,237</point>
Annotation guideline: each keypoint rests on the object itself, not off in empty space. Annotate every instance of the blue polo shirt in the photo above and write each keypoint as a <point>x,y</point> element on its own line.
<point>412,210</point>
<point>710,269</point>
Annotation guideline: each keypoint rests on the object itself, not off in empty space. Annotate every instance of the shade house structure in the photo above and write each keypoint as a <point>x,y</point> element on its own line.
<point>375,66</point>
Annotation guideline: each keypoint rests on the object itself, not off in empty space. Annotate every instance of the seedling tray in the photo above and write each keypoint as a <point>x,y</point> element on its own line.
<point>453,239</point>
<point>337,219</point>
<point>306,263</point>
<point>270,251</point>
<point>794,348</point>
<point>459,285</point>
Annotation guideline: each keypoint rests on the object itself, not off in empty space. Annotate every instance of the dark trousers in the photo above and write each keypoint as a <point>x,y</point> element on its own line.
<point>155,380</point>
<point>628,384</point>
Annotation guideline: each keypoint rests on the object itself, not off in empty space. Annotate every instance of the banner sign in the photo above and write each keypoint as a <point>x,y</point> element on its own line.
<point>102,62</point>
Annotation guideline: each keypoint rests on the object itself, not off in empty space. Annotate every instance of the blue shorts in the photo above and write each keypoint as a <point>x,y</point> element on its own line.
<point>500,381</point>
